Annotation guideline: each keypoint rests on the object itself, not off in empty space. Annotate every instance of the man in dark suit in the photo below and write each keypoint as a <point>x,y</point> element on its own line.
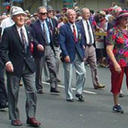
<point>52,23</point>
<point>3,94</point>
<point>43,35</point>
<point>16,55</point>
<point>90,56</point>
<point>71,43</point>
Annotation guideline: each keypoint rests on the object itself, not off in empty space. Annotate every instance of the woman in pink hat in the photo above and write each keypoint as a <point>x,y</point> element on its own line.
<point>117,49</point>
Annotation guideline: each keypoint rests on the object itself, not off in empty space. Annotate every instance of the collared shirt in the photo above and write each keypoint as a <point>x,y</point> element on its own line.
<point>71,25</point>
<point>86,31</point>
<point>46,29</point>
<point>25,32</point>
<point>50,21</point>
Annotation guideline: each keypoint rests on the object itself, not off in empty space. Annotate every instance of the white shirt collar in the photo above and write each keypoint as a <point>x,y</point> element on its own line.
<point>18,28</point>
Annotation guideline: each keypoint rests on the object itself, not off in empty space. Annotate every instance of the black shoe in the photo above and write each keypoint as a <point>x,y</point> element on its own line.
<point>54,90</point>
<point>58,80</point>
<point>80,97</point>
<point>40,92</point>
<point>70,100</point>
<point>48,81</point>
<point>121,95</point>
<point>3,106</point>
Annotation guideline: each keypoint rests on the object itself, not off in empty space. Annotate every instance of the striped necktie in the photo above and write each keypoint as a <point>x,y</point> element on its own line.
<point>23,39</point>
<point>89,33</point>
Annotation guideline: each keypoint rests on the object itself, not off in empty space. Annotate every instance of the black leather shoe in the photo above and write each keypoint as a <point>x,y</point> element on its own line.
<point>70,100</point>
<point>48,81</point>
<point>3,106</point>
<point>54,90</point>
<point>58,80</point>
<point>80,97</point>
<point>40,92</point>
<point>121,95</point>
<point>16,122</point>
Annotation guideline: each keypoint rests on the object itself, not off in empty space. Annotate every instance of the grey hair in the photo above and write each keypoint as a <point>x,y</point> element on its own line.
<point>83,9</point>
<point>41,7</point>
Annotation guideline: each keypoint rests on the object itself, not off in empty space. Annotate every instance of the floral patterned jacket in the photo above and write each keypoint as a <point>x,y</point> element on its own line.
<point>119,39</point>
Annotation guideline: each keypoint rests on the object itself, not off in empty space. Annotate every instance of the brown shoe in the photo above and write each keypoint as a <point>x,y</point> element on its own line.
<point>99,86</point>
<point>16,122</point>
<point>33,122</point>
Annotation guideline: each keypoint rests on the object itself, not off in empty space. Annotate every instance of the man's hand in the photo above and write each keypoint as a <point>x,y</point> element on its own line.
<point>67,59</point>
<point>9,67</point>
<point>40,47</point>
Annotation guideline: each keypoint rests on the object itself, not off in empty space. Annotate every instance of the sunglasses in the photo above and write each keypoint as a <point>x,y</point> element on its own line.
<point>41,13</point>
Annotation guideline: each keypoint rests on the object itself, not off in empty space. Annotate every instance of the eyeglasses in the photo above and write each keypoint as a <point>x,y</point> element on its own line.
<point>43,13</point>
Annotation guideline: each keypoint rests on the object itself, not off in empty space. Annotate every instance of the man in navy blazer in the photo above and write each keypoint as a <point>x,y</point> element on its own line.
<point>43,35</point>
<point>71,43</point>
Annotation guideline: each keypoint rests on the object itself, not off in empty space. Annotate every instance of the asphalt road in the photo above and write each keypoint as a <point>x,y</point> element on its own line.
<point>53,111</point>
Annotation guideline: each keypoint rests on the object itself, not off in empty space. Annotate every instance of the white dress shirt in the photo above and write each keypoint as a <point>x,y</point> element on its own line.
<point>24,31</point>
<point>86,32</point>
<point>71,25</point>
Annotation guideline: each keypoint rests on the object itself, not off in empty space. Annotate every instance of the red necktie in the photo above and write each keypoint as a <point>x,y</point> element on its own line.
<point>74,33</point>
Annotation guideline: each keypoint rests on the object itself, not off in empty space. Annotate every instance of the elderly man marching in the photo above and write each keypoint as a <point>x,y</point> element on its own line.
<point>72,47</point>
<point>16,55</point>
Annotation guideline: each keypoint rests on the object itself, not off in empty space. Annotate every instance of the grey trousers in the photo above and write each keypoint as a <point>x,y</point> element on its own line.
<point>57,58</point>
<point>80,77</point>
<point>13,93</point>
<point>90,54</point>
<point>49,59</point>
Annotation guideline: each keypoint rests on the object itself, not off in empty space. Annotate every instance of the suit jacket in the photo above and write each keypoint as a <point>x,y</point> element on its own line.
<point>54,33</point>
<point>12,49</point>
<point>39,36</point>
<point>68,44</point>
<point>83,31</point>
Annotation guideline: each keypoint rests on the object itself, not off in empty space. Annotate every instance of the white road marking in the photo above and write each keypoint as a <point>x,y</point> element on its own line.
<point>61,86</point>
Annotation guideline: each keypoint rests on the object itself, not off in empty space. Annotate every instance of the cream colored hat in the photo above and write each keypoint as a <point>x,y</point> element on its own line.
<point>17,10</point>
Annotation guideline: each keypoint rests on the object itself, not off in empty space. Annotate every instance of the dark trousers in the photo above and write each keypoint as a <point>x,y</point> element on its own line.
<point>3,94</point>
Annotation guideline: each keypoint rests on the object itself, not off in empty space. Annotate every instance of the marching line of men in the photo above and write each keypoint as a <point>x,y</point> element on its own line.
<point>76,41</point>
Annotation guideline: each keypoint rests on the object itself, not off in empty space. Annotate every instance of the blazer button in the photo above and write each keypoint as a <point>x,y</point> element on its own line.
<point>23,51</point>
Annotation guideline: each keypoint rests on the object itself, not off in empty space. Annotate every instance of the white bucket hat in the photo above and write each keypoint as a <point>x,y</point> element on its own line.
<point>17,10</point>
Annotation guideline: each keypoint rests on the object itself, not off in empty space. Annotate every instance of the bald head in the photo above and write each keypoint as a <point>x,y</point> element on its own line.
<point>71,14</point>
<point>85,13</point>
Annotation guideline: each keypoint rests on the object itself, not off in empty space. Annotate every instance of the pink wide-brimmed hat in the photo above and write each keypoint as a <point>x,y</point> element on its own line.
<point>123,13</point>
